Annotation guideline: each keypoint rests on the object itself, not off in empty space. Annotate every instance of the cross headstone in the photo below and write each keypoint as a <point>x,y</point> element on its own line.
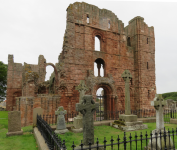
<point>127,77</point>
<point>87,108</point>
<point>159,103</point>
<point>60,119</point>
<point>82,88</point>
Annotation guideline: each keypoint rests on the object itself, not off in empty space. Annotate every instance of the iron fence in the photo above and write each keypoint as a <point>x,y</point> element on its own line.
<point>131,142</point>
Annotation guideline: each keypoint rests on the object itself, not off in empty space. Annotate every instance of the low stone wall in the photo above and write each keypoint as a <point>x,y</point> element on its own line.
<point>173,121</point>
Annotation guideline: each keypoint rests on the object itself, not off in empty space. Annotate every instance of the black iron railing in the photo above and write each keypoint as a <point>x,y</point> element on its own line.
<point>130,142</point>
<point>53,140</point>
<point>114,115</point>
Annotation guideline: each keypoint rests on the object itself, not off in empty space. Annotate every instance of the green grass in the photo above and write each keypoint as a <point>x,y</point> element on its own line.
<point>20,142</point>
<point>106,131</point>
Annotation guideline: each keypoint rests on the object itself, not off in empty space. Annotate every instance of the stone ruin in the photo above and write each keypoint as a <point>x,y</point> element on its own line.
<point>131,47</point>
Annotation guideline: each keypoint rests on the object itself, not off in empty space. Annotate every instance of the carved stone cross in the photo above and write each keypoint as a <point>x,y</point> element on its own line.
<point>82,88</point>
<point>60,119</point>
<point>127,77</point>
<point>159,103</point>
<point>87,108</point>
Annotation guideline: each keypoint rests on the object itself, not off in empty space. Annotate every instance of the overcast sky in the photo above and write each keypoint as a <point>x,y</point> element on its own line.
<point>29,28</point>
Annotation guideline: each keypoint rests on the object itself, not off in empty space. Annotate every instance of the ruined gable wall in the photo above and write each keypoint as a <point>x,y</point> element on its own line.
<point>78,55</point>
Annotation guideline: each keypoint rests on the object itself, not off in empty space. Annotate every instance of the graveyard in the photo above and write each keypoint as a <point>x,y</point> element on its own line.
<point>65,112</point>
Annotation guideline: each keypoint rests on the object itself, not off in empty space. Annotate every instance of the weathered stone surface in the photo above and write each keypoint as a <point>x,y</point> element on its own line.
<point>37,111</point>
<point>87,108</point>
<point>159,103</point>
<point>120,48</point>
<point>60,119</point>
<point>14,123</point>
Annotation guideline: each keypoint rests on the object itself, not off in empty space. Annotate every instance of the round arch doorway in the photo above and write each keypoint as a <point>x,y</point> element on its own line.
<point>105,98</point>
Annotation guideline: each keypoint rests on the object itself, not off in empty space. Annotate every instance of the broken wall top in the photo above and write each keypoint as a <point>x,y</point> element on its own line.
<point>98,18</point>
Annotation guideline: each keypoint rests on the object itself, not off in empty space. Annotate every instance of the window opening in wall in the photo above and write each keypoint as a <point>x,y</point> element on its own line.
<point>49,71</point>
<point>97,44</point>
<point>99,68</point>
<point>95,70</point>
<point>128,41</point>
<point>131,82</point>
<point>147,66</point>
<point>147,40</point>
<point>102,71</point>
<point>109,24</point>
<point>87,18</point>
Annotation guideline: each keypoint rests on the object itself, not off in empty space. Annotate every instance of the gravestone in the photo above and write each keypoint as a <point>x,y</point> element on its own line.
<point>87,108</point>
<point>14,123</point>
<point>158,104</point>
<point>78,125</point>
<point>61,126</point>
<point>36,111</point>
<point>127,121</point>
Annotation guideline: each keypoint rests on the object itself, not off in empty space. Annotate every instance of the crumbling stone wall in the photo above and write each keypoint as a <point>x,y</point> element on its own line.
<point>77,59</point>
<point>131,47</point>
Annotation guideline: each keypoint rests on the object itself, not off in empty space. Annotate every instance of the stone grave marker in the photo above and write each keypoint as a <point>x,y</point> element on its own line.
<point>36,111</point>
<point>87,108</point>
<point>82,88</point>
<point>128,121</point>
<point>14,123</point>
<point>158,104</point>
<point>61,126</point>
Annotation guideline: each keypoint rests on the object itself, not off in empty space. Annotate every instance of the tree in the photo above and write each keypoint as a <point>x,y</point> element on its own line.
<point>3,80</point>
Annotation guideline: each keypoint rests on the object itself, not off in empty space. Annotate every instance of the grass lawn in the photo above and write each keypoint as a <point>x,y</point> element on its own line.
<point>108,132</point>
<point>21,142</point>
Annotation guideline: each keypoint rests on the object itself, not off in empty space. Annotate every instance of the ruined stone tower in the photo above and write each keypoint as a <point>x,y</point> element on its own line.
<point>131,47</point>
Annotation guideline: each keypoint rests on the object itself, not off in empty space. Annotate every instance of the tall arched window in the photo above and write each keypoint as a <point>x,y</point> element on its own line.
<point>97,43</point>
<point>99,67</point>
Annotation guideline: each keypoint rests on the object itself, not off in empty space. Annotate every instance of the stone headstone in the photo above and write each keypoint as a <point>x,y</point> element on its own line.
<point>36,111</point>
<point>158,104</point>
<point>82,88</point>
<point>61,126</point>
<point>14,123</point>
<point>87,108</point>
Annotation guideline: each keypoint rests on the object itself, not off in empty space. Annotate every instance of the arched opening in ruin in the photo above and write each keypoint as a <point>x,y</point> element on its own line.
<point>97,43</point>
<point>106,100</point>
<point>87,18</point>
<point>109,24</point>
<point>99,68</point>
<point>51,78</point>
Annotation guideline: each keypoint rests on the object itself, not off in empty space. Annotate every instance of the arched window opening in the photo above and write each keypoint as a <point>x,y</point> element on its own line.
<point>99,67</point>
<point>49,71</point>
<point>147,40</point>
<point>87,18</point>
<point>97,44</point>
<point>128,41</point>
<point>109,24</point>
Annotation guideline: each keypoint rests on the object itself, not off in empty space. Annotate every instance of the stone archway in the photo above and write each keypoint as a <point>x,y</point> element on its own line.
<point>109,98</point>
<point>55,71</point>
